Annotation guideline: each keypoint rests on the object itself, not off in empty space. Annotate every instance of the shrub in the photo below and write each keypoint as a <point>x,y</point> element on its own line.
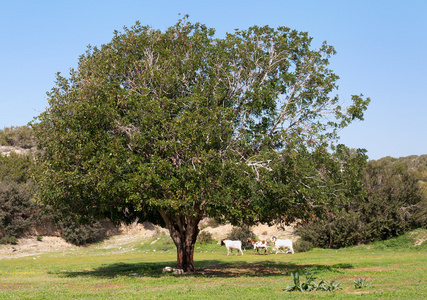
<point>9,240</point>
<point>17,209</point>
<point>205,237</point>
<point>79,234</point>
<point>302,246</point>
<point>393,203</point>
<point>420,215</point>
<point>16,168</point>
<point>242,234</point>
<point>22,136</point>
<point>335,231</point>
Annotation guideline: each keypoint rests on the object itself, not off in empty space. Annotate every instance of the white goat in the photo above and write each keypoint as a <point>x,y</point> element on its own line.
<point>230,245</point>
<point>282,244</point>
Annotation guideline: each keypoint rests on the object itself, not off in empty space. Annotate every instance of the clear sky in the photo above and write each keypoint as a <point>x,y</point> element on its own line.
<point>381,47</point>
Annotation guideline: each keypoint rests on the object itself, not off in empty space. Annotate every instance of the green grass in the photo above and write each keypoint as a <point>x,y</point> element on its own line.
<point>396,268</point>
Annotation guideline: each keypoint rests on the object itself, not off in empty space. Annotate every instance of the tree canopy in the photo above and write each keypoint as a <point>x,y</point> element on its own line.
<point>176,125</point>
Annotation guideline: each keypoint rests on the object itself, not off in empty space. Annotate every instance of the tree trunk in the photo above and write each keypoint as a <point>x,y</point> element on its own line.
<point>183,231</point>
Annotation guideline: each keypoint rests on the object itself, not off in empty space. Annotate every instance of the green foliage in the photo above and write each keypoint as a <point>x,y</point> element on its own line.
<point>9,240</point>
<point>310,284</point>
<point>302,246</point>
<point>176,125</point>
<point>19,213</point>
<point>393,203</point>
<point>17,209</point>
<point>393,198</point>
<point>16,168</point>
<point>331,286</point>
<point>241,234</point>
<point>360,283</point>
<point>205,237</point>
<point>420,214</point>
<point>79,234</point>
<point>336,230</point>
<point>131,138</point>
<point>22,136</point>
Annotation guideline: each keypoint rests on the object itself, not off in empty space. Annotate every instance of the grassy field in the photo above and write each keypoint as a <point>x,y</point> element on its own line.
<point>397,269</point>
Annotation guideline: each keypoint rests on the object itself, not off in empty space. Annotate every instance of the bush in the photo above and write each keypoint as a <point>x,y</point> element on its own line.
<point>420,216</point>
<point>335,231</point>
<point>16,168</point>
<point>79,234</point>
<point>17,209</point>
<point>393,203</point>
<point>22,136</point>
<point>241,234</point>
<point>302,246</point>
<point>205,237</point>
<point>9,240</point>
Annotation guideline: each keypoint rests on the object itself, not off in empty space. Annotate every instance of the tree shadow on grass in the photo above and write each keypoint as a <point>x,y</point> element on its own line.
<point>205,268</point>
<point>145,269</point>
<point>260,269</point>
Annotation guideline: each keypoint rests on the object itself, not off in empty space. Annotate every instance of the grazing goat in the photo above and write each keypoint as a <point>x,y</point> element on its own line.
<point>259,244</point>
<point>230,245</point>
<point>282,244</point>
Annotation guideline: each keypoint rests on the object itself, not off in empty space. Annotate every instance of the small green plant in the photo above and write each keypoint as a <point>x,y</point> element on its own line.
<point>9,240</point>
<point>310,283</point>
<point>329,286</point>
<point>39,238</point>
<point>307,285</point>
<point>361,283</point>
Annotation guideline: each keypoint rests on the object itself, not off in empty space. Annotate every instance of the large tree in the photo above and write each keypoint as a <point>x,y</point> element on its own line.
<point>176,125</point>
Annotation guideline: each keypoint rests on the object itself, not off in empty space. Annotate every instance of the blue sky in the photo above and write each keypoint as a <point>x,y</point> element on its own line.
<point>381,49</point>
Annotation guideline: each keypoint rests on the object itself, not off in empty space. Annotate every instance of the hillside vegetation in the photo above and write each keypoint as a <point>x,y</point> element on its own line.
<point>21,136</point>
<point>394,201</point>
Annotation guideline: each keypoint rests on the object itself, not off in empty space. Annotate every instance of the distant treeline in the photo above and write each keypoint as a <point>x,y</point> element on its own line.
<point>393,202</point>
